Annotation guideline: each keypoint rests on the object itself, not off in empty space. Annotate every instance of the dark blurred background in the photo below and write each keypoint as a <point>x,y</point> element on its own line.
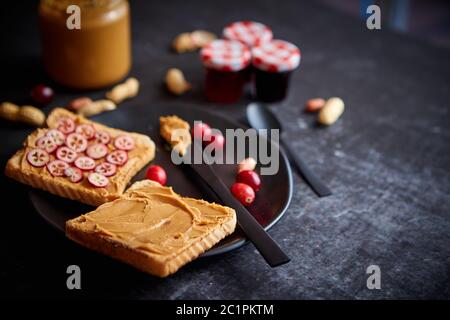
<point>422,18</point>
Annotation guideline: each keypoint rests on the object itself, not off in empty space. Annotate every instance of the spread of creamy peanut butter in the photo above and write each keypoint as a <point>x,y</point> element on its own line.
<point>156,219</point>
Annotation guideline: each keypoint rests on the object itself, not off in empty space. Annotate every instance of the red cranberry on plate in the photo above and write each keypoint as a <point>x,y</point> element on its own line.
<point>217,140</point>
<point>243,193</point>
<point>201,131</point>
<point>156,173</point>
<point>250,178</point>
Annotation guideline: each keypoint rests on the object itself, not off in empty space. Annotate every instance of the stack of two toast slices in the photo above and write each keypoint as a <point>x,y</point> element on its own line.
<point>149,226</point>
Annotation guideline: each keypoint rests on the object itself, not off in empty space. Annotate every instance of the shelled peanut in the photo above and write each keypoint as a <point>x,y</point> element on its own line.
<point>201,38</point>
<point>78,103</point>
<point>183,43</point>
<point>26,114</point>
<point>86,107</point>
<point>191,41</point>
<point>96,107</point>
<point>31,115</point>
<point>331,111</point>
<point>9,111</point>
<point>247,164</point>
<point>314,105</point>
<point>176,82</point>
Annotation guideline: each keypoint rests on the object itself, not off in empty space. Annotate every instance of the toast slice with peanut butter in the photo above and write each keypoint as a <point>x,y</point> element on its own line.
<point>152,228</point>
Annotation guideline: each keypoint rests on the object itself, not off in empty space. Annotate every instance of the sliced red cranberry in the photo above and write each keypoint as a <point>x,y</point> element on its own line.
<point>74,174</point>
<point>66,125</point>
<point>124,143</point>
<point>57,167</point>
<point>98,180</point>
<point>57,136</point>
<point>102,137</point>
<point>38,157</point>
<point>76,142</point>
<point>46,143</point>
<point>97,151</point>
<point>85,163</point>
<point>66,154</point>
<point>107,169</point>
<point>86,130</point>
<point>118,157</point>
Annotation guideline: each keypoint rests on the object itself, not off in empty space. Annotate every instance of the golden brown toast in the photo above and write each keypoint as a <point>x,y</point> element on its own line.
<point>49,178</point>
<point>152,228</point>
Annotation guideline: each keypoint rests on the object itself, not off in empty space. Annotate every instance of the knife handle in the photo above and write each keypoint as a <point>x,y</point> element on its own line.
<point>310,177</point>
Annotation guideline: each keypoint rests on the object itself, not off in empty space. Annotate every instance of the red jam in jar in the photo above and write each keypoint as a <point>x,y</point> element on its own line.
<point>274,62</point>
<point>250,33</point>
<point>225,62</point>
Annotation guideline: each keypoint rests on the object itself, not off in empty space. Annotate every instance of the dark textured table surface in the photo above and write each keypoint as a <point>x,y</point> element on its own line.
<point>387,160</point>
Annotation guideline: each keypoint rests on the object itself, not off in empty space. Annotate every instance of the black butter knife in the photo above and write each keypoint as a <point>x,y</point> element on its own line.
<point>263,242</point>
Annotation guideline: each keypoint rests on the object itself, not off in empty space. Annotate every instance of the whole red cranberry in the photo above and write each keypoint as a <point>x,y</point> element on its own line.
<point>42,94</point>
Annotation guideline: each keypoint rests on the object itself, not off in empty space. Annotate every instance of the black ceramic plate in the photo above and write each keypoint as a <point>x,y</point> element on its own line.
<point>271,202</point>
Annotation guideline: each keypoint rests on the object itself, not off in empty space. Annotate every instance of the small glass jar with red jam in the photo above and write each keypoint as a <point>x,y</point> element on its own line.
<point>273,63</point>
<point>225,63</point>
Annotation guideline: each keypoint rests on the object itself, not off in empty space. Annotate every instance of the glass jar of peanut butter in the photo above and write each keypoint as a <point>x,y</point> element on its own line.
<point>96,55</point>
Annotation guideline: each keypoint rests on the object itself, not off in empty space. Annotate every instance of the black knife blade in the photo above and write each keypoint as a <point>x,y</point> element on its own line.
<point>263,242</point>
